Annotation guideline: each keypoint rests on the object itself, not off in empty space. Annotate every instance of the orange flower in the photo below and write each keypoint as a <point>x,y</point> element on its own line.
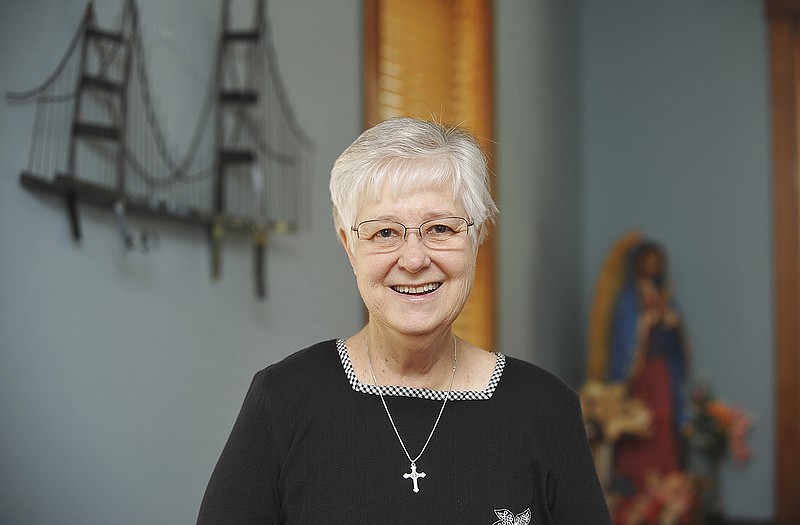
<point>721,412</point>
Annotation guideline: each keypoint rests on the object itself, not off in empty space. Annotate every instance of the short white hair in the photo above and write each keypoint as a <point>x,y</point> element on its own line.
<point>406,153</point>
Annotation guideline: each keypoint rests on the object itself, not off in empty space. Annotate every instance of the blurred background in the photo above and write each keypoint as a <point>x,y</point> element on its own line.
<point>121,373</point>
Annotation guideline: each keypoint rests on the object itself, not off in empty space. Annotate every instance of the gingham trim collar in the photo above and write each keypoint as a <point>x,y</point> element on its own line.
<point>424,393</point>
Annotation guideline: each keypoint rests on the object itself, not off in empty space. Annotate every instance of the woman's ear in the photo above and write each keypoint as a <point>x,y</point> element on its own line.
<point>345,239</point>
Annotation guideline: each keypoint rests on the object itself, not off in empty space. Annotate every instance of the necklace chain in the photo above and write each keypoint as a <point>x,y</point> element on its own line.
<point>441,410</point>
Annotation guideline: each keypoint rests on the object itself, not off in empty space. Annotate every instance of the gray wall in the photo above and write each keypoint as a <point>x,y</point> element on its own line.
<point>676,144</point>
<point>538,184</point>
<point>121,374</point>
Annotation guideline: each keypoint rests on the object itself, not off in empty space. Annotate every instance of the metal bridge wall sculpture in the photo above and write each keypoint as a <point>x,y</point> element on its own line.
<point>97,137</point>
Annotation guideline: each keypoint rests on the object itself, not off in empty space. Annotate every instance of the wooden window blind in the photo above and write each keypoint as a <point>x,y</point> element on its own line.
<point>433,59</point>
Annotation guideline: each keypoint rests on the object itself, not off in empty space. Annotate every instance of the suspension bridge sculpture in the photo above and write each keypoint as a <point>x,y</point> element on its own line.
<point>97,137</point>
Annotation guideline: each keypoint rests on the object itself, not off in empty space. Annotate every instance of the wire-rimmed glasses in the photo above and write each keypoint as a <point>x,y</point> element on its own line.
<point>444,233</point>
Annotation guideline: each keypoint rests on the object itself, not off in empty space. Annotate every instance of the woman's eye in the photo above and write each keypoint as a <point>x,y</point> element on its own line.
<point>439,229</point>
<point>385,233</point>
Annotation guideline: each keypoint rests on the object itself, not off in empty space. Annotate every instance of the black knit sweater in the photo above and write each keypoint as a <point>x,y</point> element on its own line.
<point>313,445</point>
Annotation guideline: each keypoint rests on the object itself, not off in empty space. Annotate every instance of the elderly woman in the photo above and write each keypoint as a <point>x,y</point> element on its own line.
<point>403,422</point>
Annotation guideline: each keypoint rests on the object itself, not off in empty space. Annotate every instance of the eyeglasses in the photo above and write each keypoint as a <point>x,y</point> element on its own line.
<point>444,233</point>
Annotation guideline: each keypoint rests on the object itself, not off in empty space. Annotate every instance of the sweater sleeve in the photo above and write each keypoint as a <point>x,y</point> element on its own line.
<point>243,487</point>
<point>577,494</point>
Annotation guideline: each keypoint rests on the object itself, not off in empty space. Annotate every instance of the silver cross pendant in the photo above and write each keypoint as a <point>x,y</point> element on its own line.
<point>414,475</point>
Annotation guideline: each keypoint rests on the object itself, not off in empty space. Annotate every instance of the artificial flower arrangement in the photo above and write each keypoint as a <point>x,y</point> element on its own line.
<point>715,430</point>
<point>669,499</point>
<point>718,429</point>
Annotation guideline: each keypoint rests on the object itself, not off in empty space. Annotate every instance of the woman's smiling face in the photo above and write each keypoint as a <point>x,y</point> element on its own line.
<point>413,290</point>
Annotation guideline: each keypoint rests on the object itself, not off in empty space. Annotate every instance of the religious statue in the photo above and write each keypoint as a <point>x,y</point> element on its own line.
<point>636,340</point>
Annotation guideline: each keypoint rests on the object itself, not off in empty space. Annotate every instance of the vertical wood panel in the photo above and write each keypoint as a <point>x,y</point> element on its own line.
<point>785,70</point>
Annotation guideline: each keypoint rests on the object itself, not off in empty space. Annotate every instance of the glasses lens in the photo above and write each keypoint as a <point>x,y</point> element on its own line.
<point>381,234</point>
<point>442,232</point>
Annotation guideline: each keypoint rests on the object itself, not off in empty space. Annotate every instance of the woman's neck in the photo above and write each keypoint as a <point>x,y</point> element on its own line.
<point>419,361</point>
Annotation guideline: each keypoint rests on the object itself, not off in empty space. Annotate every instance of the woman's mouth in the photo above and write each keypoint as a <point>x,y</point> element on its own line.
<point>416,290</point>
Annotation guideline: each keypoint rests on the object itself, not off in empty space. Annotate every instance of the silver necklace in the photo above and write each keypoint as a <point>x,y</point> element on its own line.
<point>414,475</point>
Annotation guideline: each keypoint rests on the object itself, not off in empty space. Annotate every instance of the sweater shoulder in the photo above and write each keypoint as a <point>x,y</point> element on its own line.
<point>526,380</point>
<point>317,364</point>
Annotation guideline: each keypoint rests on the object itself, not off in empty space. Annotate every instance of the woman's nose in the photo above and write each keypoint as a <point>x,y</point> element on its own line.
<point>413,253</point>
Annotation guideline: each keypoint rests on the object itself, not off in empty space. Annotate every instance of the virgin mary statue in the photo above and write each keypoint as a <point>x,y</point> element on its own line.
<point>641,344</point>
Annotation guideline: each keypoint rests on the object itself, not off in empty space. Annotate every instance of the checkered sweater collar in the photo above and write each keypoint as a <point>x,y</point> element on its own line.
<point>423,393</point>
